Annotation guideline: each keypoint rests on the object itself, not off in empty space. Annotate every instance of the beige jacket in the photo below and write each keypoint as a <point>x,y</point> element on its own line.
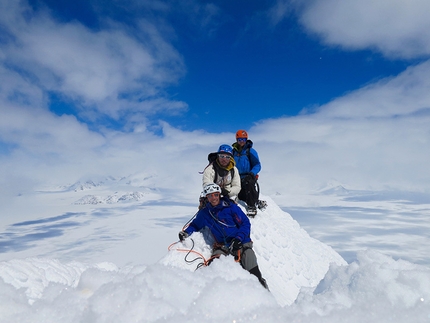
<point>226,182</point>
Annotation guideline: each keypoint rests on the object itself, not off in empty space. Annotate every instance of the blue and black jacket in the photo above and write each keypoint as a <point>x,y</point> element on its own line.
<point>246,158</point>
<point>226,221</point>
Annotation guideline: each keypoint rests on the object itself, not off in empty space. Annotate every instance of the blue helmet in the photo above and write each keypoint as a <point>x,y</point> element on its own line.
<point>225,149</point>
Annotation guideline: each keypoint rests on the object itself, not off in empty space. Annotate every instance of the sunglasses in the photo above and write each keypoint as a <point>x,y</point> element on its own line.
<point>241,139</point>
<point>212,195</point>
<point>224,156</point>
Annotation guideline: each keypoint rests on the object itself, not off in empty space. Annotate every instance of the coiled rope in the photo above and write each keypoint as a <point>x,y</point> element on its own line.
<point>204,261</point>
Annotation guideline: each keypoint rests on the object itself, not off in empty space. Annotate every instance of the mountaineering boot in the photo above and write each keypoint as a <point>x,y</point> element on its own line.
<point>261,205</point>
<point>252,211</point>
<point>256,272</point>
<point>264,283</point>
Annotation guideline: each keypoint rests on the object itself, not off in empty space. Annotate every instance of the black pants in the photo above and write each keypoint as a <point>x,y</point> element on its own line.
<point>249,192</point>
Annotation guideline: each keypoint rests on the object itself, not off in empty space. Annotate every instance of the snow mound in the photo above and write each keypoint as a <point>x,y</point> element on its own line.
<point>288,257</point>
<point>35,274</point>
<point>374,289</point>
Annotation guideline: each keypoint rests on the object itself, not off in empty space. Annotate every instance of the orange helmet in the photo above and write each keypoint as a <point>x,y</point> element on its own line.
<point>241,134</point>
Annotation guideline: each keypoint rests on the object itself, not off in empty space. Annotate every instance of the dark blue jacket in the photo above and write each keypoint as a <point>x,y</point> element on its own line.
<point>246,164</point>
<point>226,221</point>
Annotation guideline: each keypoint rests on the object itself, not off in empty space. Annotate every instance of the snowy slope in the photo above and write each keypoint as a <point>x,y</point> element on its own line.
<point>375,288</point>
<point>288,257</point>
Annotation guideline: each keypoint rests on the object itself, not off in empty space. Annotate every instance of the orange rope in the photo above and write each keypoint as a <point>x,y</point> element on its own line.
<point>205,262</point>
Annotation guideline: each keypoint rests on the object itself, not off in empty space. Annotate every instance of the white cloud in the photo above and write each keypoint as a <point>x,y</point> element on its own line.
<point>375,137</point>
<point>104,70</point>
<point>405,94</point>
<point>396,28</point>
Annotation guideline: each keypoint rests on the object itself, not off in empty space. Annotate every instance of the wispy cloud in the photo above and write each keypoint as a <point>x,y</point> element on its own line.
<point>110,71</point>
<point>397,29</point>
<point>375,137</point>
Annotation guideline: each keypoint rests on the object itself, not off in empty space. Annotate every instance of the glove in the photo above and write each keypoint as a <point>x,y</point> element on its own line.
<point>182,235</point>
<point>250,177</point>
<point>224,192</point>
<point>235,246</point>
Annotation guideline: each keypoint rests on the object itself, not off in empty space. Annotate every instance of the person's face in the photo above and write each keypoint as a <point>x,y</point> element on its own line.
<point>241,141</point>
<point>213,198</point>
<point>224,159</point>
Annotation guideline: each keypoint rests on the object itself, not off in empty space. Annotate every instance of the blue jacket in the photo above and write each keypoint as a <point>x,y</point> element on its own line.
<point>226,221</point>
<point>246,164</point>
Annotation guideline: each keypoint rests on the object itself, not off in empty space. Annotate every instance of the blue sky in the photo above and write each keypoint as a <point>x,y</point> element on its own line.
<point>239,66</point>
<point>328,90</point>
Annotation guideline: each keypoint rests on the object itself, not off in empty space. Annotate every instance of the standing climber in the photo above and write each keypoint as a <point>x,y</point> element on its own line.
<point>248,165</point>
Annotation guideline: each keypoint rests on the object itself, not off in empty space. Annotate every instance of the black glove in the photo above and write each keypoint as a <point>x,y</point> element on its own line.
<point>235,246</point>
<point>224,192</point>
<point>250,177</point>
<point>182,235</point>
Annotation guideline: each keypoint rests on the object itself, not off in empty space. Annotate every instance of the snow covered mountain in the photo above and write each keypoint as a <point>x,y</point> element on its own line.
<point>308,280</point>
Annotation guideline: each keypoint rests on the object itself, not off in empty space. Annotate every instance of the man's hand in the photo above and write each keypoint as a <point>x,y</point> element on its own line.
<point>235,246</point>
<point>182,235</point>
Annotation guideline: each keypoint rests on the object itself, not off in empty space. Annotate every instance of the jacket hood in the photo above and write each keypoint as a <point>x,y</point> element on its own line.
<point>239,148</point>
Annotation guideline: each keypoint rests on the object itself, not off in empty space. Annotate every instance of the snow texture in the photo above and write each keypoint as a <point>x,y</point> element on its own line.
<point>309,282</point>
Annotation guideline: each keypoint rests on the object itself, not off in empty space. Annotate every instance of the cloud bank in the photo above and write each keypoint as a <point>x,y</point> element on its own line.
<point>375,137</point>
<point>397,29</point>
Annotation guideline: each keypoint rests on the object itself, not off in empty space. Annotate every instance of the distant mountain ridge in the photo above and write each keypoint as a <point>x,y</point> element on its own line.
<point>111,199</point>
<point>109,189</point>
